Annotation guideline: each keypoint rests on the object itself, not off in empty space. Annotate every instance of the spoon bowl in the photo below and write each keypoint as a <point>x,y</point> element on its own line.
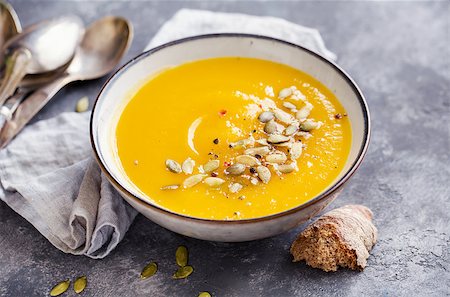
<point>101,48</point>
<point>52,43</point>
<point>9,22</point>
<point>41,48</point>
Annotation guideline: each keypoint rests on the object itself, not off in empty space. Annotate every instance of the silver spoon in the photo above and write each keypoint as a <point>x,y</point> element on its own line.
<point>42,47</point>
<point>9,24</point>
<point>103,46</point>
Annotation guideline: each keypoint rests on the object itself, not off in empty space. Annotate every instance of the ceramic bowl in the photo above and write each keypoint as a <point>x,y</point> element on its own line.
<point>116,92</point>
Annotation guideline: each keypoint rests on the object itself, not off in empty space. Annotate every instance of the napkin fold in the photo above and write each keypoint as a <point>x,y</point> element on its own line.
<point>48,174</point>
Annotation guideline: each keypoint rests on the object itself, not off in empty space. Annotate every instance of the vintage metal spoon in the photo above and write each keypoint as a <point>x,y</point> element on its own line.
<point>103,46</point>
<point>9,24</point>
<point>42,47</point>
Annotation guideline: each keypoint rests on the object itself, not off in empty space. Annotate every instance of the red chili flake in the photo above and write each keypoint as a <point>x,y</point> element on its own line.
<point>222,112</point>
<point>226,164</point>
<point>252,170</point>
<point>216,141</point>
<point>214,174</point>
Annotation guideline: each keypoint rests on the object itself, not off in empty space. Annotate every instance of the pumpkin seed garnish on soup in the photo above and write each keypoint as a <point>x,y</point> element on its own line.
<point>278,137</point>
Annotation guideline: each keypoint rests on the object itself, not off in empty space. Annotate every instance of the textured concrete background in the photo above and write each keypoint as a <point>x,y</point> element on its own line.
<point>399,53</point>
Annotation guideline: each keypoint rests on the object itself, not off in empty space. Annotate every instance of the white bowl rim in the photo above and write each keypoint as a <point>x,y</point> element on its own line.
<point>330,190</point>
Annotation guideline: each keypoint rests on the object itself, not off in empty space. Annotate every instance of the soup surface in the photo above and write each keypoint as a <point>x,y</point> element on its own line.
<point>215,112</point>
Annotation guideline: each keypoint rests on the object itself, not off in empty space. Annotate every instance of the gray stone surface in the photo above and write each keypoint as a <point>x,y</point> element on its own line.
<point>398,52</point>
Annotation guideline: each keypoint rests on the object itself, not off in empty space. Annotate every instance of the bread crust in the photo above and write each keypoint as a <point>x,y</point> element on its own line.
<point>342,237</point>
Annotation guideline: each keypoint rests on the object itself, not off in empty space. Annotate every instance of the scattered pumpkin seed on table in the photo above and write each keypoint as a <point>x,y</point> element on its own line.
<point>82,104</point>
<point>183,272</point>
<point>181,256</point>
<point>60,288</point>
<point>80,284</point>
<point>149,270</point>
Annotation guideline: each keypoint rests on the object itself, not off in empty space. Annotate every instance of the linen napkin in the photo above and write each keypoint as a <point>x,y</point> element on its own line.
<point>48,174</point>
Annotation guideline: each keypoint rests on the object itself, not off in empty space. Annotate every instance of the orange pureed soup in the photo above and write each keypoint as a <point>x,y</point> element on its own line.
<point>232,138</point>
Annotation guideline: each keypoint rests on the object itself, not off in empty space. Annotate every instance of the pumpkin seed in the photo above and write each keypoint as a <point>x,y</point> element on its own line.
<point>308,125</point>
<point>289,105</point>
<point>181,256</point>
<point>188,166</point>
<point>262,151</point>
<point>82,104</point>
<point>211,165</point>
<point>297,95</point>
<point>235,169</point>
<point>243,143</point>
<point>193,180</point>
<point>287,144</point>
<point>173,166</point>
<point>283,116</point>
<point>286,92</point>
<point>214,181</point>
<point>304,112</point>
<point>262,141</point>
<point>263,174</point>
<point>303,134</point>
<point>286,168</point>
<point>291,129</point>
<point>183,272</point>
<point>247,160</point>
<point>235,187</point>
<point>278,158</point>
<point>275,138</point>
<point>80,284</point>
<point>254,181</point>
<point>273,127</point>
<point>296,150</point>
<point>170,187</point>
<point>266,116</point>
<point>60,288</point>
<point>204,294</point>
<point>149,270</point>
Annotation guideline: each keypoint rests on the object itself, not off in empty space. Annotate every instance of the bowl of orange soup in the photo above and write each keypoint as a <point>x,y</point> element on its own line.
<point>229,137</point>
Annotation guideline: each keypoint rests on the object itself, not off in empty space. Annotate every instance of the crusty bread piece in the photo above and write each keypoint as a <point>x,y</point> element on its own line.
<point>342,237</point>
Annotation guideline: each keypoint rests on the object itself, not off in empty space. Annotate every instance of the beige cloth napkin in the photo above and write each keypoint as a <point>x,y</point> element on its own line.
<point>49,177</point>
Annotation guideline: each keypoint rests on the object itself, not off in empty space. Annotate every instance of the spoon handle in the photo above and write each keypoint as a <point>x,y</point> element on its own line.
<point>16,69</point>
<point>29,108</point>
<point>10,106</point>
